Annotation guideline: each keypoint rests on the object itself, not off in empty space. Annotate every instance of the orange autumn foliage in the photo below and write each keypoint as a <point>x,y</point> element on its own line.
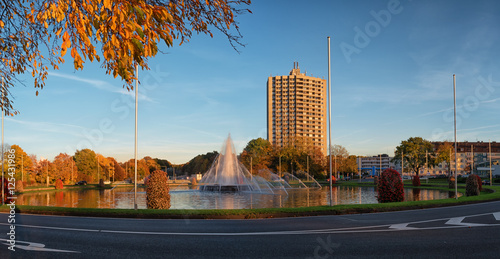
<point>121,33</point>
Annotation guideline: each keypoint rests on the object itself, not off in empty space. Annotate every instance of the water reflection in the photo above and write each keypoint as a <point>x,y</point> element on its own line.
<point>123,198</point>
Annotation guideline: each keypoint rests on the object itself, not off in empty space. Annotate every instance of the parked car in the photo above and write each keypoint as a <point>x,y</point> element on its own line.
<point>486,182</point>
<point>81,183</point>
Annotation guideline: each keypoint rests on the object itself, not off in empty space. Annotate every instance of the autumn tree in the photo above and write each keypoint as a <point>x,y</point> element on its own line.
<point>444,152</point>
<point>350,165</point>
<point>23,163</point>
<point>110,168</point>
<point>295,156</point>
<point>414,153</point>
<point>257,153</point>
<point>65,168</point>
<point>46,172</point>
<point>152,164</point>
<point>86,162</point>
<point>142,169</point>
<point>119,172</point>
<point>339,158</point>
<point>34,169</point>
<point>35,36</point>
<point>106,167</point>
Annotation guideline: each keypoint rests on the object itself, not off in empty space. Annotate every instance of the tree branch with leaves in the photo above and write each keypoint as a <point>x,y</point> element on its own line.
<point>36,36</point>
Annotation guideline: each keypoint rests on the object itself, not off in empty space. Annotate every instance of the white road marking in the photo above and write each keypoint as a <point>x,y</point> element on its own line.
<point>403,226</point>
<point>56,228</point>
<point>451,223</point>
<point>458,221</point>
<point>31,246</point>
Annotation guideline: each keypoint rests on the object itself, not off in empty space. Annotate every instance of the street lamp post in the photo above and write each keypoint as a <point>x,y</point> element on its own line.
<point>402,166</point>
<point>426,168</point>
<point>47,182</point>
<point>380,164</point>
<point>280,167</point>
<point>72,167</point>
<point>359,170</point>
<point>449,166</point>
<point>491,178</point>
<point>251,166</point>
<point>308,168</point>
<point>472,159</point>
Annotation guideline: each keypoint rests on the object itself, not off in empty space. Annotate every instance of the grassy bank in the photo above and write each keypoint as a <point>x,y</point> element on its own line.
<point>489,193</point>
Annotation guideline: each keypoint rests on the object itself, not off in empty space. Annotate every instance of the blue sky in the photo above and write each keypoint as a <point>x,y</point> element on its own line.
<point>391,80</point>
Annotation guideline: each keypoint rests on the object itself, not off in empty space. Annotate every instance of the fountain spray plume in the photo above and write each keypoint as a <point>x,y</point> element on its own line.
<point>227,174</point>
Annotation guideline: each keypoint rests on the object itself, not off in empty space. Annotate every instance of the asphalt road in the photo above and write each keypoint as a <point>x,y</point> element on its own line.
<point>453,232</point>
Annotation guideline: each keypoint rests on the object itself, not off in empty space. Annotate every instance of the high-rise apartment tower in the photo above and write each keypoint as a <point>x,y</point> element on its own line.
<point>296,107</point>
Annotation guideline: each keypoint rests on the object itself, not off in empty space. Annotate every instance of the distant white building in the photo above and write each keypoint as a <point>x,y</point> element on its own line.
<point>373,165</point>
<point>471,154</point>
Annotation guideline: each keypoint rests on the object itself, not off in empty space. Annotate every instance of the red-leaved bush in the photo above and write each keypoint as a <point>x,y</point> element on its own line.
<point>479,182</point>
<point>415,180</point>
<point>59,184</point>
<point>390,187</point>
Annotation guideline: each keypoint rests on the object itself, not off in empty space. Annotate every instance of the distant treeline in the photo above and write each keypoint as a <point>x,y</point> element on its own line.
<point>199,164</point>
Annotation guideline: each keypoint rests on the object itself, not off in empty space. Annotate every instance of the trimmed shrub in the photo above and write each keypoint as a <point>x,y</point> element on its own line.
<point>471,186</point>
<point>59,184</point>
<point>390,187</point>
<point>479,182</point>
<point>415,180</point>
<point>19,186</point>
<point>157,191</point>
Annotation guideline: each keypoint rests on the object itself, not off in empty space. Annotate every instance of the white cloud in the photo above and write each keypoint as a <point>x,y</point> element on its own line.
<point>103,85</point>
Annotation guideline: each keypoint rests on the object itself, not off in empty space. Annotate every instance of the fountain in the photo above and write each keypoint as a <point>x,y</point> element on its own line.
<point>226,185</point>
<point>227,174</point>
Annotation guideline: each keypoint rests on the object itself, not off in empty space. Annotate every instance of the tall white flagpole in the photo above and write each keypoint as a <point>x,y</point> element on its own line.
<point>455,129</point>
<point>3,177</point>
<point>330,124</point>
<point>135,141</point>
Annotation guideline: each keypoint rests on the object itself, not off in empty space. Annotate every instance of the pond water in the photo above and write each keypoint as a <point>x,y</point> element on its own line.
<point>123,198</point>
